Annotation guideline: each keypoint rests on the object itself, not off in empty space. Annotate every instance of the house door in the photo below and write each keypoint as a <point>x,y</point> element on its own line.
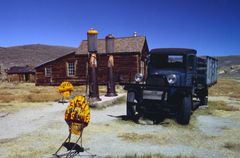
<point>27,77</point>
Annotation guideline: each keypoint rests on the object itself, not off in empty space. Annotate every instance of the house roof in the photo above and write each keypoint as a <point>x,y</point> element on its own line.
<point>121,45</point>
<point>21,70</point>
<point>133,44</point>
<point>47,62</point>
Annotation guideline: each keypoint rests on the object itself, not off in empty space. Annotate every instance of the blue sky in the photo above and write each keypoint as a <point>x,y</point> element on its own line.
<point>210,26</point>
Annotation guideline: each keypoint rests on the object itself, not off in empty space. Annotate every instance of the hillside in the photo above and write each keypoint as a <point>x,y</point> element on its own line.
<point>227,61</point>
<point>34,54</point>
<point>229,66</point>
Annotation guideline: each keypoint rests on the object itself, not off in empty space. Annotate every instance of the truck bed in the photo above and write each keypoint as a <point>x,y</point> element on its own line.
<point>207,70</point>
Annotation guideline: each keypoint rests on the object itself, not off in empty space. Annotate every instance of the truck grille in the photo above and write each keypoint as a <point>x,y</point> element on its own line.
<point>156,81</point>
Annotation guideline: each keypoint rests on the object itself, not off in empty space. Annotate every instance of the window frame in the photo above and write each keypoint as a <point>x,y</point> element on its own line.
<point>48,71</point>
<point>72,67</point>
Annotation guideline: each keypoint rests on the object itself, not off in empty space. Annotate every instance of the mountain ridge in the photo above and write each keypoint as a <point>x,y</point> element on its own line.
<point>32,54</point>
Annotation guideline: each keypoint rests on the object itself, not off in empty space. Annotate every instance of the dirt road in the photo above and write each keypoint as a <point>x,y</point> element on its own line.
<point>39,131</point>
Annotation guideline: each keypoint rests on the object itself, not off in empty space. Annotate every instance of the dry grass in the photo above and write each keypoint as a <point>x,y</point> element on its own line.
<point>152,156</point>
<point>213,108</point>
<point>14,96</point>
<point>7,108</point>
<point>226,87</point>
<point>28,92</point>
<point>232,146</point>
<point>133,137</point>
<point>215,105</point>
<point>31,146</point>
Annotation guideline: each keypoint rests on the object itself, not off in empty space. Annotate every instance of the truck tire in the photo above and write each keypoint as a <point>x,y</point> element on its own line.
<point>184,113</point>
<point>131,110</point>
<point>203,97</point>
<point>204,101</point>
<point>131,106</point>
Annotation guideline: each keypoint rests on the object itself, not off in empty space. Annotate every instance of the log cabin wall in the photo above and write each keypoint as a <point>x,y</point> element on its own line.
<point>27,77</point>
<point>41,79</point>
<point>21,74</point>
<point>14,78</point>
<point>59,68</point>
<point>126,64</point>
<point>125,67</point>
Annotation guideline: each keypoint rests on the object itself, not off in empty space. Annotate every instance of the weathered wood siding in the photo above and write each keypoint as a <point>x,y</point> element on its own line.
<point>20,77</point>
<point>59,71</point>
<point>125,68</point>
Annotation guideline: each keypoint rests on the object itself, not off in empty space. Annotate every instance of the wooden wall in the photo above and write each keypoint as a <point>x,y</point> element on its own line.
<point>125,67</point>
<point>59,71</point>
<point>21,77</point>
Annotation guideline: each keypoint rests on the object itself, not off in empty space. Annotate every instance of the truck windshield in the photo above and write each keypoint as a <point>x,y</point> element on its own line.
<point>167,61</point>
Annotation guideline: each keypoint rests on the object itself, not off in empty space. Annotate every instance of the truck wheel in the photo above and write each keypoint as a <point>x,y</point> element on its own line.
<point>185,111</point>
<point>131,110</point>
<point>204,101</point>
<point>131,106</point>
<point>204,97</point>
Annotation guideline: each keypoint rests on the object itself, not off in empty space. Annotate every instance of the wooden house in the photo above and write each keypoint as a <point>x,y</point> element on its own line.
<point>129,58</point>
<point>21,74</point>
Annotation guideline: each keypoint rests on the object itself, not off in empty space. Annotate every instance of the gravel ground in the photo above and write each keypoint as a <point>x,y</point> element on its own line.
<point>37,132</point>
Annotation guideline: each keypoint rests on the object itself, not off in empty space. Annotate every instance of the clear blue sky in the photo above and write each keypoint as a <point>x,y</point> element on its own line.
<point>210,26</point>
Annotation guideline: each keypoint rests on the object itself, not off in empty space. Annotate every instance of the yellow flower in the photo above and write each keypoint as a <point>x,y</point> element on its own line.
<point>78,110</point>
<point>65,86</point>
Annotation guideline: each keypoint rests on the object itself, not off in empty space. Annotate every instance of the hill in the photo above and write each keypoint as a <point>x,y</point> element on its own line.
<point>227,61</point>
<point>229,66</point>
<point>33,55</point>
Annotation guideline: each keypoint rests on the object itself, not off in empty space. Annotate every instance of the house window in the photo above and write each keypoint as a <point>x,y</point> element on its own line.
<point>48,71</point>
<point>71,68</point>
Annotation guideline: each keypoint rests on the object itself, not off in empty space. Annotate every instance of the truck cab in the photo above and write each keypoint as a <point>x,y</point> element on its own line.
<point>169,86</point>
<point>177,66</point>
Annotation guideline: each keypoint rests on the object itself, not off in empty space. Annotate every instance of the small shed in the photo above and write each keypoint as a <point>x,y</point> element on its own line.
<point>129,58</point>
<point>21,74</point>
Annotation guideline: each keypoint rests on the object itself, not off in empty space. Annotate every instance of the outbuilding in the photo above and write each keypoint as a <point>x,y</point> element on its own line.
<point>21,74</point>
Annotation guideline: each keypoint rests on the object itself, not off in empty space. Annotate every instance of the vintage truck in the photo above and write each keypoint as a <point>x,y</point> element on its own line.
<point>176,80</point>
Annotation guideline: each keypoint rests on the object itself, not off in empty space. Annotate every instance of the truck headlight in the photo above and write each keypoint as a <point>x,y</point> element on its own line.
<point>172,78</point>
<point>139,77</point>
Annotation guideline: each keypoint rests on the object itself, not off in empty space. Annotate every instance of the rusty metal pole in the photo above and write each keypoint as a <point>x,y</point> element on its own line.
<point>110,50</point>
<point>92,49</point>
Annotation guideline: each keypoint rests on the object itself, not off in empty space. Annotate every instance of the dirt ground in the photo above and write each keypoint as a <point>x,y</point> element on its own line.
<point>37,131</point>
